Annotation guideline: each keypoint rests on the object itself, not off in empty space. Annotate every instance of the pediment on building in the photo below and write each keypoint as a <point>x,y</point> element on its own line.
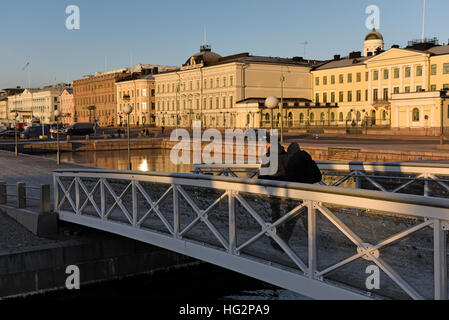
<point>396,54</point>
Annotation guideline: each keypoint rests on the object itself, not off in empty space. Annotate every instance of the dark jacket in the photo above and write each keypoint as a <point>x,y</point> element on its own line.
<point>300,166</point>
<point>282,165</point>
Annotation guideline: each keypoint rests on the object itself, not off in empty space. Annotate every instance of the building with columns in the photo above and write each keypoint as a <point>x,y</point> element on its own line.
<point>398,88</point>
<point>225,92</point>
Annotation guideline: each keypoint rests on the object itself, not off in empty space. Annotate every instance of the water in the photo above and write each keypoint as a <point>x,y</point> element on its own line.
<point>216,283</point>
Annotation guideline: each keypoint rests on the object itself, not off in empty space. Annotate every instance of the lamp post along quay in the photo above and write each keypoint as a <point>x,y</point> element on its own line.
<point>58,153</point>
<point>271,103</point>
<point>16,151</point>
<point>127,110</point>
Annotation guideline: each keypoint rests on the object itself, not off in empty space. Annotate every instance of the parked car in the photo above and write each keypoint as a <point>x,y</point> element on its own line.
<point>35,131</point>
<point>8,134</point>
<point>57,128</point>
<point>80,129</point>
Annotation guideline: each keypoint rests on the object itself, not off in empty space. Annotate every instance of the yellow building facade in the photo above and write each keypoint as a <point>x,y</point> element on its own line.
<point>397,89</point>
<point>216,90</point>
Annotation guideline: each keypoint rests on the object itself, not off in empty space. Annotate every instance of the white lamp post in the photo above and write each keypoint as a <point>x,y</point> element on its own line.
<point>16,151</point>
<point>58,154</point>
<point>127,110</point>
<point>271,103</point>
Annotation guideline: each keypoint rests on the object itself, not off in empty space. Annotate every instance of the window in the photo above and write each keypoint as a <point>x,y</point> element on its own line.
<point>407,72</point>
<point>419,71</point>
<point>211,83</point>
<point>446,68</point>
<point>419,88</point>
<point>190,85</point>
<point>396,90</point>
<point>407,89</point>
<point>312,116</point>
<point>333,97</point>
<point>359,77</point>
<point>376,75</point>
<point>324,80</point>
<point>217,103</point>
<point>433,69</point>
<point>415,115</point>
<point>224,81</point>
<point>301,117</point>
<point>384,115</point>
<point>224,103</point>
<point>366,95</point>
<point>349,77</point>
<point>144,92</point>
<point>386,94</point>
<point>359,95</point>
<point>341,78</point>
<point>218,82</point>
<point>325,97</point>
<point>332,79</point>
<point>340,96</point>
<point>396,73</point>
<point>446,86</point>
<point>386,74</point>
<point>231,81</point>
<point>231,102</point>
<point>366,76</point>
<point>433,87</point>
<point>376,94</point>
<point>317,81</point>
<point>349,96</point>
<point>317,97</point>
<point>340,117</point>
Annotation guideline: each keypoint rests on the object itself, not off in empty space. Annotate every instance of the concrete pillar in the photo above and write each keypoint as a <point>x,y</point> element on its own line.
<point>3,197</point>
<point>45,204</point>
<point>21,195</point>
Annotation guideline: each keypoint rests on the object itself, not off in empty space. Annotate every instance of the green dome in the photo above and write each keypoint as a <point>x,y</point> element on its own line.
<point>374,35</point>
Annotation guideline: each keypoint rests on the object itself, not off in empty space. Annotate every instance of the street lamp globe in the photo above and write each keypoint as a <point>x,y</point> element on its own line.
<point>128,109</point>
<point>271,102</point>
<point>57,113</point>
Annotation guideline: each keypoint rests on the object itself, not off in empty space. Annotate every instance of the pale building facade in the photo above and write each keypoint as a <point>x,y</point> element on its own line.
<point>140,94</point>
<point>4,108</point>
<point>214,89</point>
<point>67,107</point>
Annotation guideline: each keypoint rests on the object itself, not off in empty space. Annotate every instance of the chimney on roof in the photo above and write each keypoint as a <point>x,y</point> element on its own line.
<point>298,59</point>
<point>396,46</point>
<point>337,57</point>
<point>355,54</point>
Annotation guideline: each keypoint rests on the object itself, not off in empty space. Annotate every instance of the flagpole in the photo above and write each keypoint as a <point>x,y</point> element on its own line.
<point>423,22</point>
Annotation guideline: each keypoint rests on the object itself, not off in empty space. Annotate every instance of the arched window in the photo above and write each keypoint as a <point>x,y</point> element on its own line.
<point>415,115</point>
<point>267,117</point>
<point>290,119</point>
<point>248,119</point>
<point>349,116</point>
<point>384,115</point>
<point>340,117</point>
<point>332,116</point>
<point>301,117</point>
<point>322,116</point>
<point>312,116</point>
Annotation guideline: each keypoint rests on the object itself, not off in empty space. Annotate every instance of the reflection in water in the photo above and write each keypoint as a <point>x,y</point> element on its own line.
<point>157,160</point>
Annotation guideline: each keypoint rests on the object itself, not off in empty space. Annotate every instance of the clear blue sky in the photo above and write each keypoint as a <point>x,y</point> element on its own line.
<point>168,32</point>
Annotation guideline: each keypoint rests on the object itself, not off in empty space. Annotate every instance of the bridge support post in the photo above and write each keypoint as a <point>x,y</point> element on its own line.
<point>232,237</point>
<point>45,204</point>
<point>134,197</point>
<point>103,198</point>
<point>3,194</point>
<point>440,261</point>
<point>175,210</point>
<point>311,230</point>
<point>21,195</point>
<point>77,194</point>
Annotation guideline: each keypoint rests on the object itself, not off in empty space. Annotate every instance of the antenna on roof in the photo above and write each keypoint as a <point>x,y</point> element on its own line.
<point>205,35</point>
<point>27,67</point>
<point>423,22</point>
<point>305,43</point>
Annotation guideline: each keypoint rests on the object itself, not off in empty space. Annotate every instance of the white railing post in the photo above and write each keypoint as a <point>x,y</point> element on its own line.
<point>134,200</point>
<point>311,231</point>
<point>102,198</point>
<point>440,260</point>
<point>77,195</point>
<point>175,211</point>
<point>232,235</point>
<point>55,193</point>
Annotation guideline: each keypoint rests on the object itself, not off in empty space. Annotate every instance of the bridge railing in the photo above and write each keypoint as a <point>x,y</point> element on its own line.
<point>427,179</point>
<point>337,234</point>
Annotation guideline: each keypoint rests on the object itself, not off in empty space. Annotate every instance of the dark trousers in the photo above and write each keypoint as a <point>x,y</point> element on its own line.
<point>285,230</point>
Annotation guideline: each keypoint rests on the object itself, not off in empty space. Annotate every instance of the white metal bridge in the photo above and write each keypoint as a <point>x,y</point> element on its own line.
<point>227,221</point>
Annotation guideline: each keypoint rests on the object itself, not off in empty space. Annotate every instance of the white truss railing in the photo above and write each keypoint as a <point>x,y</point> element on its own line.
<point>373,174</point>
<point>124,203</point>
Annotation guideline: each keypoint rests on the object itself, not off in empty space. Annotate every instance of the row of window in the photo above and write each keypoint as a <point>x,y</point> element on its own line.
<point>85,88</point>
<point>210,103</point>
<point>385,74</point>
<point>191,85</point>
<point>311,117</point>
<point>358,94</point>
<point>137,109</point>
<point>97,99</point>
<point>136,92</point>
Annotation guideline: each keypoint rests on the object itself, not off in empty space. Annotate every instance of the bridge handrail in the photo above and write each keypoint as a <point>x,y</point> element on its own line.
<point>315,192</point>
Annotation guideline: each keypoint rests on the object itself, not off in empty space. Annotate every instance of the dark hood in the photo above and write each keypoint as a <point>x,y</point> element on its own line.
<point>293,148</point>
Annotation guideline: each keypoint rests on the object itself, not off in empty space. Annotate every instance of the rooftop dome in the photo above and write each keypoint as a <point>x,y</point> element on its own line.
<point>205,55</point>
<point>374,35</point>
